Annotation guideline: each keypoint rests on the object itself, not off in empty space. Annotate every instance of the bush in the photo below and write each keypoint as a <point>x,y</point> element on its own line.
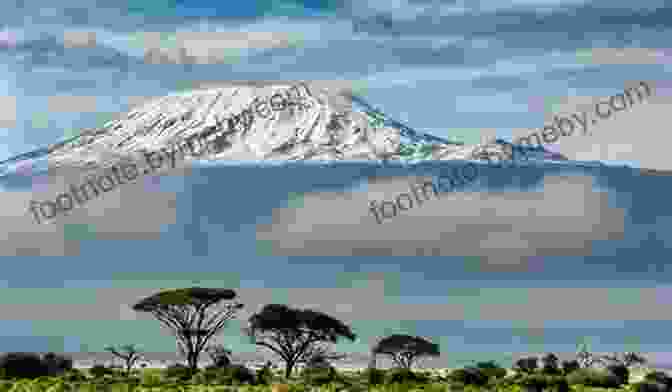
<point>264,375</point>
<point>558,383</point>
<point>319,375</point>
<point>491,369</point>
<point>658,377</point>
<point>151,379</point>
<point>56,364</point>
<point>594,378</point>
<point>650,386</point>
<point>74,375</point>
<point>536,380</point>
<point>570,366</point>
<point>621,371</point>
<point>241,374</point>
<point>375,376</point>
<point>540,381</point>
<point>318,378</point>
<point>204,377</point>
<point>508,381</point>
<point>234,374</point>
<point>23,365</point>
<point>469,376</point>
<point>178,371</point>
<point>526,365</point>
<point>402,376</point>
<point>550,364</point>
<point>99,371</point>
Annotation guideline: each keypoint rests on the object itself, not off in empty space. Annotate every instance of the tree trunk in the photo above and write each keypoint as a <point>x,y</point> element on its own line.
<point>192,359</point>
<point>288,369</point>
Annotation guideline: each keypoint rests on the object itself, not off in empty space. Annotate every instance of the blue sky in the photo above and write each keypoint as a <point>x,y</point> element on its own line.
<point>458,69</point>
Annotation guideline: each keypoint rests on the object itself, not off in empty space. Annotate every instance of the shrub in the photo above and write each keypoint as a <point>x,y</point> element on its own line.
<point>621,371</point>
<point>229,375</point>
<point>375,376</point>
<point>74,375</point>
<point>491,369</point>
<point>536,380</point>
<point>56,364</point>
<point>650,386</point>
<point>540,381</point>
<point>405,376</point>
<point>594,378</point>
<point>178,371</point>
<point>151,379</point>
<point>469,376</point>
<point>658,377</point>
<point>206,376</point>
<point>508,381</point>
<point>23,365</point>
<point>570,366</point>
<point>557,383</point>
<point>98,371</point>
<point>319,375</point>
<point>265,375</point>
<point>526,365</point>
<point>318,378</point>
<point>550,364</point>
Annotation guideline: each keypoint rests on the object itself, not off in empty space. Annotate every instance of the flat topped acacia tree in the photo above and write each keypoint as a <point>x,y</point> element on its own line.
<point>405,349</point>
<point>294,334</point>
<point>190,314</point>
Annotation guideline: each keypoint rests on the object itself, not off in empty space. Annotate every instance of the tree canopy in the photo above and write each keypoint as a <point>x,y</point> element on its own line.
<point>193,296</point>
<point>295,334</point>
<point>187,313</point>
<point>405,349</point>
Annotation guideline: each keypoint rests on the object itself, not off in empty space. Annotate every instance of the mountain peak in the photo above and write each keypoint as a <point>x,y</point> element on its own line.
<point>259,122</point>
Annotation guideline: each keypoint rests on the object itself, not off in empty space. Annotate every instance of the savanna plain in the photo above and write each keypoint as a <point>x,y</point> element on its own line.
<point>302,339</point>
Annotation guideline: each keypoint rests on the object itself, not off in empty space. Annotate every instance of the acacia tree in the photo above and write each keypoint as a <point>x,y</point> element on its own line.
<point>626,359</point>
<point>190,316</point>
<point>295,334</point>
<point>585,358</point>
<point>631,359</point>
<point>219,355</point>
<point>405,349</point>
<point>127,353</point>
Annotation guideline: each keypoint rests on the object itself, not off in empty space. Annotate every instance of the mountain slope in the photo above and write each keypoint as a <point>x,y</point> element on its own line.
<point>262,122</point>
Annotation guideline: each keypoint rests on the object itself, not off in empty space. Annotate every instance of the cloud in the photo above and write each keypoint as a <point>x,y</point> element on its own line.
<point>494,308</point>
<point>72,103</point>
<point>7,112</point>
<point>612,139</point>
<point>212,47</point>
<point>111,215</point>
<point>504,229</point>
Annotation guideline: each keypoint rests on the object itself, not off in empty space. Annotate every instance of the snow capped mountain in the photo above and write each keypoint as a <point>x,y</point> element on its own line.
<point>263,122</point>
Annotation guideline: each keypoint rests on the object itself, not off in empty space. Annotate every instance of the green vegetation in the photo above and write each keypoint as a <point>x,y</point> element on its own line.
<point>415,151</point>
<point>303,336</point>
